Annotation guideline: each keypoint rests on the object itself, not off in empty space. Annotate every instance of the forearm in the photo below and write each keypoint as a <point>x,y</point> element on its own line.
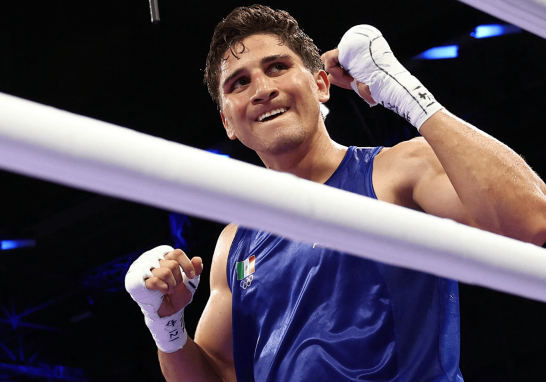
<point>497,188</point>
<point>157,281</point>
<point>191,363</point>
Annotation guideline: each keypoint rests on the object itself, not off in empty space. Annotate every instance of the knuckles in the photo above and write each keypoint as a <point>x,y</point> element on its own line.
<point>330,58</point>
<point>172,265</point>
<point>155,283</point>
<point>162,273</point>
<point>175,259</point>
<point>158,270</point>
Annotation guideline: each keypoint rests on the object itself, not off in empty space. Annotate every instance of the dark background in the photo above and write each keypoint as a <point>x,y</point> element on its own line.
<point>64,313</point>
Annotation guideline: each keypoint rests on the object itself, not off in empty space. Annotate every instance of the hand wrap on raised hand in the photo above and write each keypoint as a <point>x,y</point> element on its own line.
<point>366,55</point>
<point>169,332</point>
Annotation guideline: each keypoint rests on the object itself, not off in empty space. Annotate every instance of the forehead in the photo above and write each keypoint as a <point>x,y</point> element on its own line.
<point>256,47</point>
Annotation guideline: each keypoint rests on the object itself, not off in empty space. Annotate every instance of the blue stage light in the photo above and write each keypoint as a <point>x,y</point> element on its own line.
<point>217,152</point>
<point>21,243</point>
<point>179,226</point>
<point>492,30</point>
<point>440,52</point>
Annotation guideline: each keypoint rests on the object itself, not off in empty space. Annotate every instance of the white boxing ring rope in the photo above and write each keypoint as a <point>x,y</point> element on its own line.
<point>77,151</point>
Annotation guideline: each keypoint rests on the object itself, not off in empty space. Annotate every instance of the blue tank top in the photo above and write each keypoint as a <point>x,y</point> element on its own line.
<point>303,312</point>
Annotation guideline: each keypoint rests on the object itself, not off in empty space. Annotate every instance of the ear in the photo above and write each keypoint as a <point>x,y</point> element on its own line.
<point>321,79</point>
<point>229,129</point>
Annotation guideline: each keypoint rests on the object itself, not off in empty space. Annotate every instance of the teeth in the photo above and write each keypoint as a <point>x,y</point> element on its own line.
<point>270,113</point>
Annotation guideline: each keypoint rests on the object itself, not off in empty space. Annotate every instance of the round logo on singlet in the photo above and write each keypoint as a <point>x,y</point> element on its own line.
<point>245,283</point>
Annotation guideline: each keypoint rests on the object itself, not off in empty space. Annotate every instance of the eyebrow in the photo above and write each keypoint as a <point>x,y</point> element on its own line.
<point>264,60</point>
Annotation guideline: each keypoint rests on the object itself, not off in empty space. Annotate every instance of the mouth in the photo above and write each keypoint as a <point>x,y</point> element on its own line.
<point>270,115</point>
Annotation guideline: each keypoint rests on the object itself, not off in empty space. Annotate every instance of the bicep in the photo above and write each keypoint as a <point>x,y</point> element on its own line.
<point>410,175</point>
<point>213,332</point>
<point>435,195</point>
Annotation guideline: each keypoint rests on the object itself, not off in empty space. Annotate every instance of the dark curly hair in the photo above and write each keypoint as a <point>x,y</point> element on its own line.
<point>247,21</point>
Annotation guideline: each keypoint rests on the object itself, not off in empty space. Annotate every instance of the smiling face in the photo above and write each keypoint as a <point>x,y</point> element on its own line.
<point>270,101</point>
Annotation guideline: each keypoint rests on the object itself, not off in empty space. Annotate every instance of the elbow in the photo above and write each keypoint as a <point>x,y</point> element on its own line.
<point>538,236</point>
<point>523,219</point>
<point>531,230</point>
<point>537,226</point>
<point>534,220</point>
<point>529,227</point>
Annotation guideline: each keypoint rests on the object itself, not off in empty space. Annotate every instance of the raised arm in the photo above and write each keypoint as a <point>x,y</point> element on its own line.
<point>462,173</point>
<point>495,185</point>
<point>163,292</point>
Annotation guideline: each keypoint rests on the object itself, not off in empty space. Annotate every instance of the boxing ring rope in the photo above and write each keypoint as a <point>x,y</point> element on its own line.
<point>77,151</point>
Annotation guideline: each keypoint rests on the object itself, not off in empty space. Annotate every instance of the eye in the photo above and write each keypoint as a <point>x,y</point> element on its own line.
<point>239,83</point>
<point>277,67</point>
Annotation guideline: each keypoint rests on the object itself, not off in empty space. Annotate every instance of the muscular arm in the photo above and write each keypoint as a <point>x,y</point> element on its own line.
<point>210,356</point>
<point>474,180</point>
<point>498,190</point>
<point>410,175</point>
<point>462,173</point>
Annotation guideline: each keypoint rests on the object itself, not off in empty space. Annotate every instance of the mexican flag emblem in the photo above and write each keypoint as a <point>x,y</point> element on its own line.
<point>245,268</point>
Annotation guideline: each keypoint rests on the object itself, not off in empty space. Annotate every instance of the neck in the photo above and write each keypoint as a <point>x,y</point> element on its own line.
<point>316,159</point>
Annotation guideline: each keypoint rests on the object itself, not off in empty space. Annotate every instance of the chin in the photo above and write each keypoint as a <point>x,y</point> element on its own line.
<point>285,144</point>
<point>284,148</point>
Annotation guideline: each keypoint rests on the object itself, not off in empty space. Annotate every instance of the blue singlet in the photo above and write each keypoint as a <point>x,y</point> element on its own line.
<point>303,313</point>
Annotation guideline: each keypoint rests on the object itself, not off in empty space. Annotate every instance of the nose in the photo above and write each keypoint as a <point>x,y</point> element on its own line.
<point>264,89</point>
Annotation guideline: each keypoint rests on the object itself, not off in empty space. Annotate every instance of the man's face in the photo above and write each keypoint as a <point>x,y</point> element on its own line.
<point>270,78</point>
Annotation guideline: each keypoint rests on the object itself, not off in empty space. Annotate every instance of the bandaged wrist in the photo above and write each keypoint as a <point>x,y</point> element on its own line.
<point>169,332</point>
<point>366,55</point>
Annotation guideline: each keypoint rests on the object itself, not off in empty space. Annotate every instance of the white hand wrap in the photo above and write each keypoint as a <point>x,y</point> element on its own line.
<point>169,332</point>
<point>366,55</point>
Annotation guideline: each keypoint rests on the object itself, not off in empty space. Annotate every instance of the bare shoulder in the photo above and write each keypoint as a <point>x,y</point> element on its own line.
<point>398,169</point>
<point>218,277</point>
<point>415,150</point>
<point>224,240</point>
<point>410,175</point>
